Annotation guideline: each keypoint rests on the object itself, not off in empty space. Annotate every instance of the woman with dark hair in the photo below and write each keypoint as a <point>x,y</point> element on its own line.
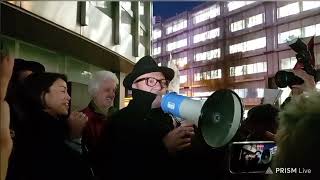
<point>42,152</point>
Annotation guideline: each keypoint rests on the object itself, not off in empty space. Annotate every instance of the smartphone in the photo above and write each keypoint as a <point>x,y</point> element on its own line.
<point>251,156</point>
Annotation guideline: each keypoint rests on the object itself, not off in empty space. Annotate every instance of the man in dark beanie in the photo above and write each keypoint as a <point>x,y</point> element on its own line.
<point>21,70</point>
<point>141,141</point>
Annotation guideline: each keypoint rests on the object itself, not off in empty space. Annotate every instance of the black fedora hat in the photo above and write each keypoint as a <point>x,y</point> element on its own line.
<point>146,65</point>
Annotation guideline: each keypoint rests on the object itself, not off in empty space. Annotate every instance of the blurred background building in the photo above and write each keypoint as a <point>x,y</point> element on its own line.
<point>79,38</point>
<point>236,44</point>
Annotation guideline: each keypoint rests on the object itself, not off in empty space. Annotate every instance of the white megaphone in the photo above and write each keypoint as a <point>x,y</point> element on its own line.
<point>218,118</point>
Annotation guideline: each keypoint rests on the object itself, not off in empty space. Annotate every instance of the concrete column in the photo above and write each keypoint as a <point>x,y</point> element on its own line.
<point>116,21</point>
<point>136,27</point>
<point>121,90</point>
<point>148,13</point>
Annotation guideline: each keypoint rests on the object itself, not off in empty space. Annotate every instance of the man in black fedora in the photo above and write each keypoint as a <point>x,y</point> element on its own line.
<point>141,141</point>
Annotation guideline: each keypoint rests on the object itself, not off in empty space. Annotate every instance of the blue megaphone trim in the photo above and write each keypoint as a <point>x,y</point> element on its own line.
<point>171,103</point>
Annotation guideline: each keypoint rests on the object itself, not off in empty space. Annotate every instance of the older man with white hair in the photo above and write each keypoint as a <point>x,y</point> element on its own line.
<point>102,88</point>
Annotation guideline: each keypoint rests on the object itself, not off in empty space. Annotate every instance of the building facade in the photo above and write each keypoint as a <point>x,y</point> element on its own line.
<point>79,38</point>
<point>238,45</point>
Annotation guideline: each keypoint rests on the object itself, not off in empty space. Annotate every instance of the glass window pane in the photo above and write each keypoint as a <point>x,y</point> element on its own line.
<point>255,20</point>
<point>288,10</point>
<point>310,31</point>
<point>183,79</point>
<point>307,5</point>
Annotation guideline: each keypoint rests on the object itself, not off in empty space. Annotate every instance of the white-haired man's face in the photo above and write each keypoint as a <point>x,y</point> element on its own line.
<point>105,94</point>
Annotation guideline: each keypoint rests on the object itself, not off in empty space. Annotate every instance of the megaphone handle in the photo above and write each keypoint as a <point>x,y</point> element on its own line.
<point>178,123</point>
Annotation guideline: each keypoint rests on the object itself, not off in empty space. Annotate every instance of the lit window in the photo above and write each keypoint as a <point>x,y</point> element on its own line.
<point>197,77</point>
<point>318,85</point>
<point>313,30</point>
<point>307,5</point>
<point>182,61</point>
<point>206,35</point>
<point>239,70</point>
<point>183,94</point>
<point>202,94</point>
<point>260,67</point>
<point>159,64</point>
<point>206,14</point>
<point>285,93</point>
<point>169,29</point>
<point>260,92</point>
<point>248,69</point>
<point>215,74</point>
<point>208,55</point>
<point>183,79</point>
<point>157,50</point>
<point>202,76</point>
<point>126,5</point>
<point>248,45</point>
<point>232,71</point>
<point>255,20</point>
<point>242,93</point>
<point>310,31</point>
<point>288,63</point>
<point>238,25</point>
<point>232,5</point>
<point>156,34</point>
<point>288,35</point>
<point>288,10</point>
<point>176,26</point>
<point>141,9</point>
<point>256,44</point>
<point>207,75</point>
<point>247,23</point>
<point>177,44</point>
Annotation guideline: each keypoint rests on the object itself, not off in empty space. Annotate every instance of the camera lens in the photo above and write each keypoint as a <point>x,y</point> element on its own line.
<point>285,78</point>
<point>266,156</point>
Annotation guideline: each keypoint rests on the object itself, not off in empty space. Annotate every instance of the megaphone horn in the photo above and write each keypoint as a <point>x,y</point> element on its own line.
<point>218,118</point>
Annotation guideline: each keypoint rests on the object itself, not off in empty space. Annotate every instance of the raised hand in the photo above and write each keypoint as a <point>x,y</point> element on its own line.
<point>179,138</point>
<point>77,121</point>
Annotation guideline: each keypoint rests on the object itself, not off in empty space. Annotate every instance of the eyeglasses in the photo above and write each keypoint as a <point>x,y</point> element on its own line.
<point>151,82</point>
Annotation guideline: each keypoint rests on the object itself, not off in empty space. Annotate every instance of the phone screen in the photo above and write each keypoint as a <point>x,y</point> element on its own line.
<point>251,156</point>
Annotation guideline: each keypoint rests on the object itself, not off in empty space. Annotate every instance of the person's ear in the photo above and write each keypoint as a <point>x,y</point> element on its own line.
<point>134,86</point>
<point>43,99</point>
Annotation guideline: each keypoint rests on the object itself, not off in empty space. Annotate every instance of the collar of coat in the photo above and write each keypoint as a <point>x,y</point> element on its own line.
<point>141,101</point>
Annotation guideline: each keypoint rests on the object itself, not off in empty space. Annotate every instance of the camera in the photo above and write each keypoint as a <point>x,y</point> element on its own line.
<point>304,58</point>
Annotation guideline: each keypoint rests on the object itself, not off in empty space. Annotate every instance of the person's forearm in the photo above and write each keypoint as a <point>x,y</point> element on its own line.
<point>3,90</point>
<point>5,138</point>
<point>5,151</point>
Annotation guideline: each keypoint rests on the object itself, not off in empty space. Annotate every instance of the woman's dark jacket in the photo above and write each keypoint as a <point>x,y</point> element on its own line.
<point>41,151</point>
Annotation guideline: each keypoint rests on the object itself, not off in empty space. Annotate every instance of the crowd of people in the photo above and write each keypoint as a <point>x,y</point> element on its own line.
<point>41,138</point>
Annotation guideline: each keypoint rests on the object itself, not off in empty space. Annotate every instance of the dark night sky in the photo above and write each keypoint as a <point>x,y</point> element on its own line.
<point>171,8</point>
